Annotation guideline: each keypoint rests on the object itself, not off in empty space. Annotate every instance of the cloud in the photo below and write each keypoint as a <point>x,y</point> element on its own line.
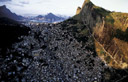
<point>4,0</point>
<point>15,4</point>
<point>66,7</point>
<point>24,2</point>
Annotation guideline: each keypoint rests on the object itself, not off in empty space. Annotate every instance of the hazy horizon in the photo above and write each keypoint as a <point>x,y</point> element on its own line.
<point>36,7</point>
<point>61,7</point>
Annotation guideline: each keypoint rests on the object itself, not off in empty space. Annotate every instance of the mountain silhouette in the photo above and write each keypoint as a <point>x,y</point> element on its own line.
<point>50,17</point>
<point>5,12</point>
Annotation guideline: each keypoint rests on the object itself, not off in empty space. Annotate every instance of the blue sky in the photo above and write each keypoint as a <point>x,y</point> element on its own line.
<point>63,7</point>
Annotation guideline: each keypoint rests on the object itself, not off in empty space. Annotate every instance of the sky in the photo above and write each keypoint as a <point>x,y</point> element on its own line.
<point>62,7</point>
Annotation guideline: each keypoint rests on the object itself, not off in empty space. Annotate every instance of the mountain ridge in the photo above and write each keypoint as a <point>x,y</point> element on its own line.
<point>50,17</point>
<point>107,28</point>
<point>5,12</point>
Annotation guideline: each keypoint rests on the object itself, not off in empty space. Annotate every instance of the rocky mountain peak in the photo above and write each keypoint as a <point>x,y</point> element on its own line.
<point>5,12</point>
<point>4,6</point>
<point>86,2</point>
<point>109,30</point>
<point>50,14</point>
<point>78,10</point>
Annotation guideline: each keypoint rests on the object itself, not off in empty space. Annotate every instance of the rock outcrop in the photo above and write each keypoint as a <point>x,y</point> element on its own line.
<point>78,10</point>
<point>109,31</point>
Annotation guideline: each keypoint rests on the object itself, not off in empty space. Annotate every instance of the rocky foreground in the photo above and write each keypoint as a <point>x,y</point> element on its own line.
<point>54,53</point>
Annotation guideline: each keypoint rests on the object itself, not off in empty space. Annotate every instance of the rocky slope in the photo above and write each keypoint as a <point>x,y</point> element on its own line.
<point>109,29</point>
<point>52,53</point>
<point>56,52</point>
<point>65,52</point>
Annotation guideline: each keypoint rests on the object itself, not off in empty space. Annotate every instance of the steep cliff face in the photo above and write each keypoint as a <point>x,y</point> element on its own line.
<point>110,33</point>
<point>88,14</point>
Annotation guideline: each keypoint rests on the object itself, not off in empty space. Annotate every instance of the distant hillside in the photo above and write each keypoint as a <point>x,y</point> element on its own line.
<point>53,17</point>
<point>5,12</point>
<point>50,17</point>
<point>39,16</point>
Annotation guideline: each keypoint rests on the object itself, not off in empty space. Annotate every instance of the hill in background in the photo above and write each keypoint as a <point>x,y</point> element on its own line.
<point>5,12</point>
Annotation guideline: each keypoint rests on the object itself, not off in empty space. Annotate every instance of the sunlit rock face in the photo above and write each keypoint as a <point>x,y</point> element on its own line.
<point>109,29</point>
<point>78,10</point>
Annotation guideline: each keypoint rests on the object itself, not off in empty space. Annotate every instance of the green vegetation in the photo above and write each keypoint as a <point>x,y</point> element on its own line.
<point>102,52</point>
<point>109,19</point>
<point>84,32</point>
<point>122,35</point>
<point>101,11</point>
<point>110,29</point>
<point>108,59</point>
<point>104,13</point>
